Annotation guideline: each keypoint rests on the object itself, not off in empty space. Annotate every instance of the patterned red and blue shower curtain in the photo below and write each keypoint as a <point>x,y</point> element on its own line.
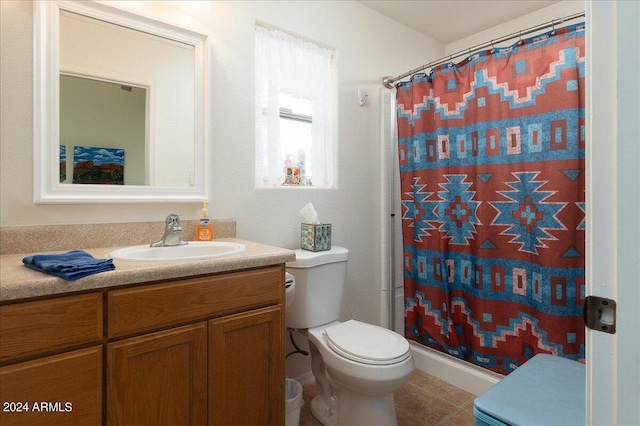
<point>492,173</point>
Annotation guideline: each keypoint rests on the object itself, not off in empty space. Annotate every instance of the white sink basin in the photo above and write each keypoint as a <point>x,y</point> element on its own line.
<point>195,250</point>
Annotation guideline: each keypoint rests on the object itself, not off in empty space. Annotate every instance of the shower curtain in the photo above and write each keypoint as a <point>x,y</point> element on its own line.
<point>491,154</point>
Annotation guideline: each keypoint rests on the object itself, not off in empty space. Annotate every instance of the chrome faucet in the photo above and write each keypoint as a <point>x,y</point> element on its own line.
<point>172,232</point>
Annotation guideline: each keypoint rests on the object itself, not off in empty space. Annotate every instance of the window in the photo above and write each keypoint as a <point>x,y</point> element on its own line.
<point>294,112</point>
<point>296,135</point>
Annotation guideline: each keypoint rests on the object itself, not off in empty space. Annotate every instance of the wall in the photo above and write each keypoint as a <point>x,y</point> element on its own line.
<point>367,47</point>
<point>547,14</point>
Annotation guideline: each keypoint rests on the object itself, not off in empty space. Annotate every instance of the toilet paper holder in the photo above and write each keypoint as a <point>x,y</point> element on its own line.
<point>288,280</point>
<point>289,287</point>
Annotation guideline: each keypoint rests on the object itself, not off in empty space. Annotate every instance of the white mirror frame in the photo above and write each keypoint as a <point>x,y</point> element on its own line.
<point>46,119</point>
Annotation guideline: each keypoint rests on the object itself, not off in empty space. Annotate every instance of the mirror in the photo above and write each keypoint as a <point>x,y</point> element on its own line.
<point>120,107</point>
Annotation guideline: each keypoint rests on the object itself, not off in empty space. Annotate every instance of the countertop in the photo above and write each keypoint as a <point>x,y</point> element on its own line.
<point>19,282</point>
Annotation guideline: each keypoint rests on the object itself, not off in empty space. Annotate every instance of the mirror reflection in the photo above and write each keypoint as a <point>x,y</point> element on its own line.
<point>102,132</point>
<point>128,92</point>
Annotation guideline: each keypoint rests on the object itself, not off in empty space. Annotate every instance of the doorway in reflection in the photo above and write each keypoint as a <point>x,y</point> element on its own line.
<point>103,123</point>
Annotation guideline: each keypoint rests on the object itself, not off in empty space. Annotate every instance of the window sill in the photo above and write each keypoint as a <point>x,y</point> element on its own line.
<point>294,187</point>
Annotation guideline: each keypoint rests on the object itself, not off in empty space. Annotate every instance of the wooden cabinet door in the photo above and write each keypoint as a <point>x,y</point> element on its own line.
<point>246,369</point>
<point>158,378</point>
<point>63,389</point>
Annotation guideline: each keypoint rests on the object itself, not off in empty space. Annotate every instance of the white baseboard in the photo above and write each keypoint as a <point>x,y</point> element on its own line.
<point>461,374</point>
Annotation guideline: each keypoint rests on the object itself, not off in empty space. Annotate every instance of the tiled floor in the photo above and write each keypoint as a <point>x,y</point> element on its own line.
<point>423,401</point>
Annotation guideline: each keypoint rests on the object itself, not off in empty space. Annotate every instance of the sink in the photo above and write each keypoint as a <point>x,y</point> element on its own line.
<point>195,250</point>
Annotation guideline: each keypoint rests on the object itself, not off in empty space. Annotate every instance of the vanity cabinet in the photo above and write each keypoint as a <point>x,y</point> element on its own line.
<point>217,357</point>
<point>197,351</point>
<point>51,357</point>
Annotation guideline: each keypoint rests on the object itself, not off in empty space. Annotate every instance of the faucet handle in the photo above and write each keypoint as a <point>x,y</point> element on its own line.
<point>173,220</point>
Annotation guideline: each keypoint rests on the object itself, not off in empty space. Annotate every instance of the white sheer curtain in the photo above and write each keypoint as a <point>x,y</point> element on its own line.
<point>288,65</point>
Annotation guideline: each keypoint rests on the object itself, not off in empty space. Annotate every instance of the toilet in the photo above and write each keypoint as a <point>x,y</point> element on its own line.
<point>357,366</point>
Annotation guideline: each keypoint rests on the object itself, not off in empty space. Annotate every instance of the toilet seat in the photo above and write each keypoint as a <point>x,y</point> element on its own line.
<point>367,343</point>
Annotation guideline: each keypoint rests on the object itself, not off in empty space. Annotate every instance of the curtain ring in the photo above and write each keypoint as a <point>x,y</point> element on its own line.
<point>493,48</point>
<point>553,30</point>
<point>520,36</point>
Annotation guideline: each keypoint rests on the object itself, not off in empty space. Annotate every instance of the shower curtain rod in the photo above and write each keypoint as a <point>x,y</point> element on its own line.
<point>389,81</point>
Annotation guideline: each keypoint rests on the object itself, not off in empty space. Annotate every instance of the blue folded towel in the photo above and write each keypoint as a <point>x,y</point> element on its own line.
<point>71,266</point>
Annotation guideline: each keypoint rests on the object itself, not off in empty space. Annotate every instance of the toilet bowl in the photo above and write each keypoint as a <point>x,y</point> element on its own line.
<point>364,386</point>
<point>357,366</point>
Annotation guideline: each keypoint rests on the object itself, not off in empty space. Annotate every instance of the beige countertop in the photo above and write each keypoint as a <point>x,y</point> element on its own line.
<point>19,282</point>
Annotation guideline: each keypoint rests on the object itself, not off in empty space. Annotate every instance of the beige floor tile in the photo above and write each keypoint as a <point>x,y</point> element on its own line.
<point>416,407</point>
<point>461,418</point>
<point>440,388</point>
<point>306,416</point>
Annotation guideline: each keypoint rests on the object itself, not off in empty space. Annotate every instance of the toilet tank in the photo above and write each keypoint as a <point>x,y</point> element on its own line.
<point>319,286</point>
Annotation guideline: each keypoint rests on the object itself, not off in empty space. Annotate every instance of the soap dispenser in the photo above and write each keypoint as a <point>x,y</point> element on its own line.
<point>205,227</point>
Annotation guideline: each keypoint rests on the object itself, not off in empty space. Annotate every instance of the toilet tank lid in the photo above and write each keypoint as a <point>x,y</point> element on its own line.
<point>307,259</point>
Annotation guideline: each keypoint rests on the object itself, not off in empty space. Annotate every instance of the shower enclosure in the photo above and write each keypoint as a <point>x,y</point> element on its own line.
<point>491,159</point>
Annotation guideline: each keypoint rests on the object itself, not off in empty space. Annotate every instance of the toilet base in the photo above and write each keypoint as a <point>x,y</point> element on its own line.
<point>356,410</point>
<point>321,412</point>
<point>366,410</point>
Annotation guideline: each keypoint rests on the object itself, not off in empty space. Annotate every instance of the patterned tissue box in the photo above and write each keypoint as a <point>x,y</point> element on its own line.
<point>315,237</point>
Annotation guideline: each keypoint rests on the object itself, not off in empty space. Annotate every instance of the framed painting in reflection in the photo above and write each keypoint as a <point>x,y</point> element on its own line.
<point>95,165</point>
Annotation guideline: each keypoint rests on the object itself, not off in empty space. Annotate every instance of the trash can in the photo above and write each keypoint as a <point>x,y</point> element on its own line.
<point>293,402</point>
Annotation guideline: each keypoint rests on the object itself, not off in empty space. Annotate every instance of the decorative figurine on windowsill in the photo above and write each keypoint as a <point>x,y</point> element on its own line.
<point>291,175</point>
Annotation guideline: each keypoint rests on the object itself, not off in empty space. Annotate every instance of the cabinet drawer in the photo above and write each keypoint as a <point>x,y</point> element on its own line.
<point>151,307</point>
<point>63,389</point>
<point>32,328</point>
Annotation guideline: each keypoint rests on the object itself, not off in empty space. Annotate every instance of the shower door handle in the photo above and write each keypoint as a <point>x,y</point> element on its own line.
<point>599,314</point>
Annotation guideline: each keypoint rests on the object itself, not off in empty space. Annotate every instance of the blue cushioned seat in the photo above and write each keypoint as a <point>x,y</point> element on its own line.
<point>546,390</point>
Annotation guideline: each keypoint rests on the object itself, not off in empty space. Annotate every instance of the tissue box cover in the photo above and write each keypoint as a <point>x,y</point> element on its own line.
<point>546,390</point>
<point>316,237</point>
